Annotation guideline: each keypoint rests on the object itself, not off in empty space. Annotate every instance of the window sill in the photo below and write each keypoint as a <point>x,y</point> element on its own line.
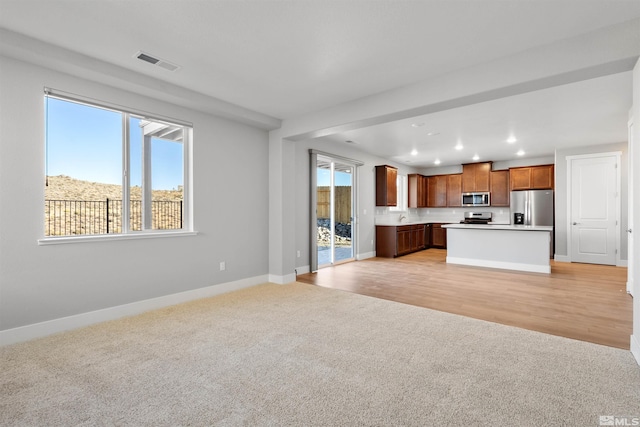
<point>102,237</point>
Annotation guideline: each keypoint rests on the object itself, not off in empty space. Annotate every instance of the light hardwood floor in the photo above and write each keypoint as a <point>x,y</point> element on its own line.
<point>580,301</point>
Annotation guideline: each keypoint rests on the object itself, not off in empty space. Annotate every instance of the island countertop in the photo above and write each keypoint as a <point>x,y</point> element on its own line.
<point>512,227</point>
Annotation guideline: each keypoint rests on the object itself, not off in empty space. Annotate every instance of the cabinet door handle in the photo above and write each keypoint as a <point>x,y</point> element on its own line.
<point>576,223</point>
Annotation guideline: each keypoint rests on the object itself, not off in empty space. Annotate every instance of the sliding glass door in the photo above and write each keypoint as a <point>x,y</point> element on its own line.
<point>334,211</point>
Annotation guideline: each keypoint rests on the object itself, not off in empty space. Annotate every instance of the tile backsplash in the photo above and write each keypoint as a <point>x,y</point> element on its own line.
<point>384,215</point>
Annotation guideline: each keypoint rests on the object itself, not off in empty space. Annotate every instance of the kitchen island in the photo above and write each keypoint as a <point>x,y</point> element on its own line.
<point>505,246</point>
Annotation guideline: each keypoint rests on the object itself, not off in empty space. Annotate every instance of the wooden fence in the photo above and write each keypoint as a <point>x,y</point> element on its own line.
<point>343,203</point>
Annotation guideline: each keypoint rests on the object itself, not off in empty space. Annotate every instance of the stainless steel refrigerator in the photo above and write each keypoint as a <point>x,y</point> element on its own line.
<point>533,207</point>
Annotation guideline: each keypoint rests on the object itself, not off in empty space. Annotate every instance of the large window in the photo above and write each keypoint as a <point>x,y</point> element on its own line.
<point>110,171</point>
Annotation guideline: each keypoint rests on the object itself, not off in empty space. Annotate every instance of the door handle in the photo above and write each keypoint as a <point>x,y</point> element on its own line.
<point>576,223</point>
<point>629,230</point>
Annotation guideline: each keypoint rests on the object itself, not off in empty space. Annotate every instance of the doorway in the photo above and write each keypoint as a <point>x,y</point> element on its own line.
<point>334,209</point>
<point>333,231</point>
<point>594,207</point>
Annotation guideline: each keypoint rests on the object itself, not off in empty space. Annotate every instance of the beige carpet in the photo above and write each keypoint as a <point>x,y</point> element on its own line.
<point>299,355</point>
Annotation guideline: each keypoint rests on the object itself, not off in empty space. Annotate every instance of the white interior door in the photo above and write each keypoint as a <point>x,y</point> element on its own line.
<point>594,211</point>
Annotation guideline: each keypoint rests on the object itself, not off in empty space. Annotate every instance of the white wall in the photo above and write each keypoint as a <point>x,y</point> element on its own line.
<point>562,191</point>
<point>40,283</point>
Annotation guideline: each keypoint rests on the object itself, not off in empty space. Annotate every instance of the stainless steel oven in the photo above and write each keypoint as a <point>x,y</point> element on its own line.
<point>476,199</point>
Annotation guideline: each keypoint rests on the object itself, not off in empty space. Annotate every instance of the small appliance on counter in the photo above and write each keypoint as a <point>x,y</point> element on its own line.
<point>477,218</point>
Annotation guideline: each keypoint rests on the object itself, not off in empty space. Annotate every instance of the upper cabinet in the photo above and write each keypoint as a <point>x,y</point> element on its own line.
<point>454,190</point>
<point>531,178</point>
<point>437,191</point>
<point>476,177</point>
<point>500,188</point>
<point>386,189</point>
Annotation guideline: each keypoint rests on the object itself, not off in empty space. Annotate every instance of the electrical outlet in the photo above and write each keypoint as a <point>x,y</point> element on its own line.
<point>298,254</point>
<point>223,266</point>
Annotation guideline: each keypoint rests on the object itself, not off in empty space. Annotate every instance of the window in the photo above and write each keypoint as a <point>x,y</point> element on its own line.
<point>402,192</point>
<point>113,172</point>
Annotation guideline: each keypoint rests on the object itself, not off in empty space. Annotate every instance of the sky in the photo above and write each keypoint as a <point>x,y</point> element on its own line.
<point>324,178</point>
<point>86,143</point>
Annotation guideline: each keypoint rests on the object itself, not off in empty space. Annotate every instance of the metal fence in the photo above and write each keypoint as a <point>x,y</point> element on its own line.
<point>77,217</point>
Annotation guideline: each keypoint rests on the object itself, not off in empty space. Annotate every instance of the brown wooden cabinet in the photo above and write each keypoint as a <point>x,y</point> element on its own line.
<point>418,190</point>
<point>393,241</point>
<point>403,240</point>
<point>386,189</point>
<point>542,177</point>
<point>454,190</point>
<point>438,236</point>
<point>500,188</point>
<point>531,178</point>
<point>476,177</point>
<point>417,237</point>
<point>437,191</point>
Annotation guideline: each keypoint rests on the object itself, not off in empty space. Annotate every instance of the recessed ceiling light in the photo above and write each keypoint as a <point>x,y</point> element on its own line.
<point>436,161</point>
<point>348,141</point>
<point>520,153</point>
<point>459,146</point>
<point>414,152</point>
<point>417,125</point>
<point>512,139</point>
<point>476,157</point>
<point>433,133</point>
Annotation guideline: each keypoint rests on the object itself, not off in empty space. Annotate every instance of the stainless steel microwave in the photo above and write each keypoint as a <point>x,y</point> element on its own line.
<point>476,199</point>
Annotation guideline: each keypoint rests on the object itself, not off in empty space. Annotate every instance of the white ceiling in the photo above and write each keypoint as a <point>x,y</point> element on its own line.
<point>286,58</point>
<point>590,112</point>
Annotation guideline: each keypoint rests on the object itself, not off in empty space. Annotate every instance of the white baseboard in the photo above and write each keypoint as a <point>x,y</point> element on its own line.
<point>50,327</point>
<point>366,255</point>
<point>622,263</point>
<point>282,280</point>
<point>635,348</point>
<point>562,258</point>
<point>303,269</point>
<point>534,268</point>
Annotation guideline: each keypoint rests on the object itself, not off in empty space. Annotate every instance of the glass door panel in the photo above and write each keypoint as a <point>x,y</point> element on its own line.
<point>343,212</point>
<point>323,211</point>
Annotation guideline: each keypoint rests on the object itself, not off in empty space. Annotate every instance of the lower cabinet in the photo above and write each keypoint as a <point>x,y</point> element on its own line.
<point>393,241</point>
<point>438,236</point>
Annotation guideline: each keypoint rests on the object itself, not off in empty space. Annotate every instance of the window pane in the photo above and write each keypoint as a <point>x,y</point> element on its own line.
<point>84,169</point>
<point>162,175</point>
<point>166,176</point>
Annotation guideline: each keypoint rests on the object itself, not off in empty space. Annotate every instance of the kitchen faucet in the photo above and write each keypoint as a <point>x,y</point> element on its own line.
<point>402,217</point>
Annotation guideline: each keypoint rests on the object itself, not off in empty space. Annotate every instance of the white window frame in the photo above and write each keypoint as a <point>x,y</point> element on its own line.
<point>126,233</point>
<point>402,193</point>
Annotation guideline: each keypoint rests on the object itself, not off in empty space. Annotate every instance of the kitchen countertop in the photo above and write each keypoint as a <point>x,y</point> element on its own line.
<point>500,227</point>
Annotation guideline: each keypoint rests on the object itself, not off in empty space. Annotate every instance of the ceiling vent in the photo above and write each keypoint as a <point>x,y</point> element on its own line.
<point>156,61</point>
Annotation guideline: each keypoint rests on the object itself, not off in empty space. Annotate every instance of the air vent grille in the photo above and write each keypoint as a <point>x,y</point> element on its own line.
<point>156,61</point>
